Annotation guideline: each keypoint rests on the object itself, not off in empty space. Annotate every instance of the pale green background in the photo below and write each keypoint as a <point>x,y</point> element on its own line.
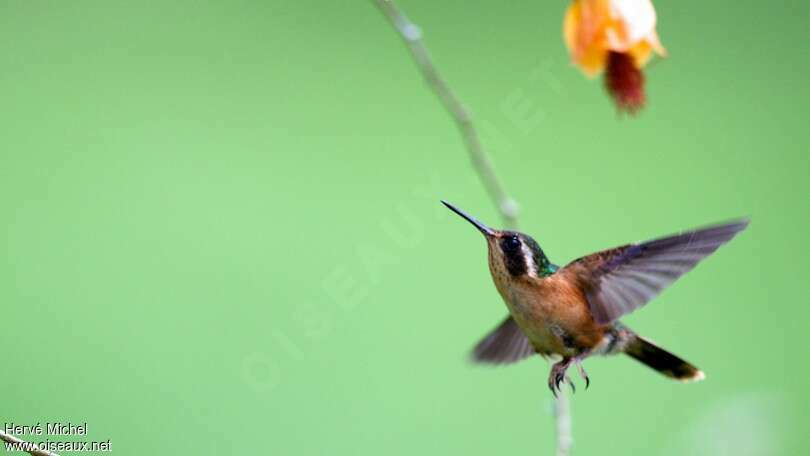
<point>221,231</point>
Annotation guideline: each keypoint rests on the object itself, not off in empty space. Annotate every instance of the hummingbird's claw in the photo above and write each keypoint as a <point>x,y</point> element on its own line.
<point>583,374</point>
<point>551,385</point>
<point>571,384</point>
<point>554,381</point>
<point>557,376</point>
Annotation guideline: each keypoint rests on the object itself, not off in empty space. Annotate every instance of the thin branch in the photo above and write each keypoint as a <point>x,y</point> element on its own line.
<point>412,36</point>
<point>562,422</point>
<point>22,445</point>
<point>507,206</point>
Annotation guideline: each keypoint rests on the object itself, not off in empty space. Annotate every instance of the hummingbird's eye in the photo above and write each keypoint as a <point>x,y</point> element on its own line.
<point>512,242</point>
<point>513,256</point>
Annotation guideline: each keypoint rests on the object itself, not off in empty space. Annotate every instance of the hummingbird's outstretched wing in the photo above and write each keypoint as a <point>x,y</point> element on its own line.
<point>505,344</point>
<point>619,280</point>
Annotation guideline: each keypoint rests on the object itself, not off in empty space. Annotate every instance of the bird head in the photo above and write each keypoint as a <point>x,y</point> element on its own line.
<point>512,254</point>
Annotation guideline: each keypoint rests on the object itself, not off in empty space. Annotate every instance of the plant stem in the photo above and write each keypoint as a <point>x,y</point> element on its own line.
<point>562,424</point>
<point>412,36</point>
<point>24,446</point>
<point>507,206</point>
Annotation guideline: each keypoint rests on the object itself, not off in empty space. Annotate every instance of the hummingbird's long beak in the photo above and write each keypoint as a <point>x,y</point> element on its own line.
<point>481,227</point>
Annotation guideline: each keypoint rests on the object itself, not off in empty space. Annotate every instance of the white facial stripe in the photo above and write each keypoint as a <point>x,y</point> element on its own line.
<point>531,267</point>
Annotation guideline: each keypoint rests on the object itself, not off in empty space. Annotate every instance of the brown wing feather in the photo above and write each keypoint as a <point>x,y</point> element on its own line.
<point>620,280</point>
<point>505,344</point>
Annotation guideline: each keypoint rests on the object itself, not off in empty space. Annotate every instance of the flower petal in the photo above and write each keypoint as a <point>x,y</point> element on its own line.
<point>638,17</point>
<point>659,49</point>
<point>583,32</point>
<point>593,61</point>
<point>571,25</point>
<point>641,53</point>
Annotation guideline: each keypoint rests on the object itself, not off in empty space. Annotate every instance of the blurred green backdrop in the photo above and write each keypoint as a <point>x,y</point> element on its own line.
<point>221,230</point>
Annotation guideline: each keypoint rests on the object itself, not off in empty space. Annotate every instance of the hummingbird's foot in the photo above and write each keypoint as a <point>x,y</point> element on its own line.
<point>557,376</point>
<point>582,373</point>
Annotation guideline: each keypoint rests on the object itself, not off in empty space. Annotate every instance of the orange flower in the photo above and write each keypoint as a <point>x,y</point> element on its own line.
<point>617,36</point>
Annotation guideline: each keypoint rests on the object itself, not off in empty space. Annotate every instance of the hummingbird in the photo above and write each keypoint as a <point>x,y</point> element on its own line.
<point>573,312</point>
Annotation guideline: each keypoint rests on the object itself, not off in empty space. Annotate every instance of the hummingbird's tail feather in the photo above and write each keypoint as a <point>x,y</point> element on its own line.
<point>661,360</point>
